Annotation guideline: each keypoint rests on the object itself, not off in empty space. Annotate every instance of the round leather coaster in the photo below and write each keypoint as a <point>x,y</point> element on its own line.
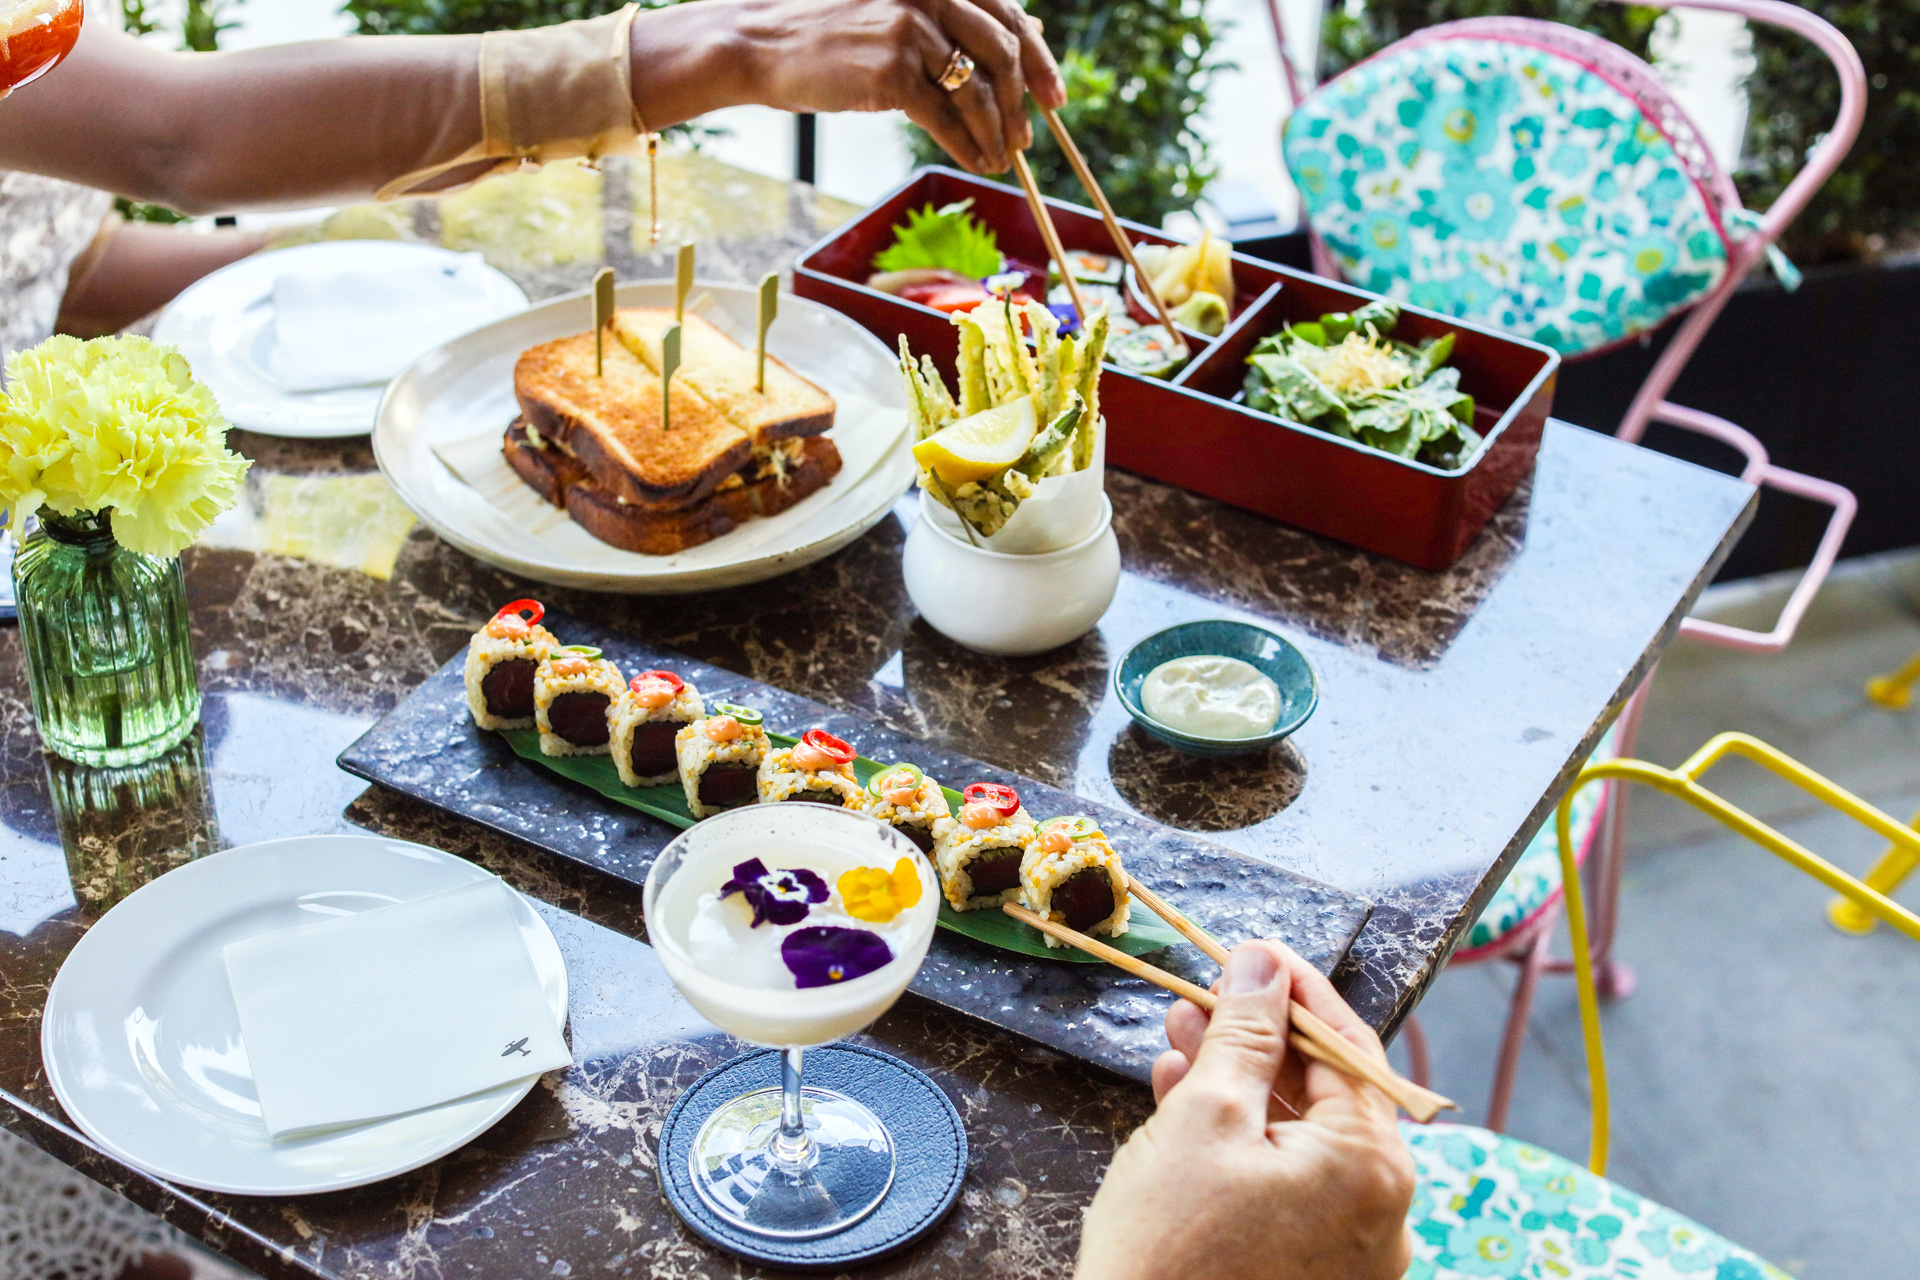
<point>930,1145</point>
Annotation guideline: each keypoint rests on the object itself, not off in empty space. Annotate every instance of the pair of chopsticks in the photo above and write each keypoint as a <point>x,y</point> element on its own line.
<point>1314,1036</point>
<point>1051,234</point>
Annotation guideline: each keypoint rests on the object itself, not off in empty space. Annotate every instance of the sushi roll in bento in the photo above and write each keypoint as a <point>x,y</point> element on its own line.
<point>1072,876</point>
<point>574,692</point>
<point>910,802</point>
<point>720,759</point>
<point>500,662</point>
<point>979,855</point>
<point>817,769</point>
<point>645,721</point>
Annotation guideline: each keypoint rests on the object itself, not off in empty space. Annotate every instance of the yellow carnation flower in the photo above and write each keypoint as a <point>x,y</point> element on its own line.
<point>874,895</point>
<point>115,424</point>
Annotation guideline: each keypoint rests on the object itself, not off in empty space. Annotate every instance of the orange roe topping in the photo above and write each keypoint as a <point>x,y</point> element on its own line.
<point>981,816</point>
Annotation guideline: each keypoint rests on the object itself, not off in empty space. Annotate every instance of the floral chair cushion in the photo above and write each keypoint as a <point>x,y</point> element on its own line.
<point>1487,1205</point>
<point>1510,173</point>
<point>1535,879</point>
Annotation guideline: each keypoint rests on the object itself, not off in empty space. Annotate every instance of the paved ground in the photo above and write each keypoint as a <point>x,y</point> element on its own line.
<point>1766,1076</point>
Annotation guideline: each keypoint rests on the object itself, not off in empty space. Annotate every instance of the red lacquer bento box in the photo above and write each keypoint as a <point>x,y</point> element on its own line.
<point>1188,432</point>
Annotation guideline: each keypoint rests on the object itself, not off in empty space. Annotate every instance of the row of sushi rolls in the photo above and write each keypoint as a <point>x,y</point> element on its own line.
<point>659,729</point>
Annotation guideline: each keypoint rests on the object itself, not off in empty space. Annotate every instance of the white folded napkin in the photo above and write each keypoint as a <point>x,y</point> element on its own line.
<point>348,328</point>
<point>388,1011</point>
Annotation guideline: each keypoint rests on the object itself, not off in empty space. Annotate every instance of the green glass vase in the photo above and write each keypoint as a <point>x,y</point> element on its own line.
<point>109,653</point>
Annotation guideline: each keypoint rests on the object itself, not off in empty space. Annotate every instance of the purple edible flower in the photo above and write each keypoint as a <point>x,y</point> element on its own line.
<point>1069,318</point>
<point>777,897</point>
<point>823,955</point>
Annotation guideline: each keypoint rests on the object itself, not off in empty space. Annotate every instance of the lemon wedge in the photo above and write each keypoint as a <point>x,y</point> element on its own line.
<point>977,447</point>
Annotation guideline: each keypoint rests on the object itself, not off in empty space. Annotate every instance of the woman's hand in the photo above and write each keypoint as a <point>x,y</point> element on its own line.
<point>852,55</point>
<point>1259,1162</point>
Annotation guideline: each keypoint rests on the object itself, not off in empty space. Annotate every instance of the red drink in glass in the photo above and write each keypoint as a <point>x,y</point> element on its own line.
<point>34,36</point>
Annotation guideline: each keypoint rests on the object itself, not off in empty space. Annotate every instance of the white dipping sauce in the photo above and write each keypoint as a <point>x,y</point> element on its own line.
<point>1211,697</point>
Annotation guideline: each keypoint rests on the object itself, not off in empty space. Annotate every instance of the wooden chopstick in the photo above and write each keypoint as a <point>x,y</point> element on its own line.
<point>1085,173</point>
<point>1114,956</point>
<point>1333,1048</point>
<point>1051,235</point>
<point>1316,1038</point>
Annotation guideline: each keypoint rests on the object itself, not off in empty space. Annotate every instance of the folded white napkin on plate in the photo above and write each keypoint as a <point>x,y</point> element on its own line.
<point>349,328</point>
<point>388,1011</point>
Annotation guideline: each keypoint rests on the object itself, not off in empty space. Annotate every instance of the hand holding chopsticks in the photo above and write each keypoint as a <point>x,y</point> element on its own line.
<point>1313,1036</point>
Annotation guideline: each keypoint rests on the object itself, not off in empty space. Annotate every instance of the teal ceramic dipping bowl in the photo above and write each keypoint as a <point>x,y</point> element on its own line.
<point>1276,659</point>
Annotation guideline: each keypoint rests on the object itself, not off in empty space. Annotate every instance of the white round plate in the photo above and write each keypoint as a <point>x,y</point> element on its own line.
<point>463,391</point>
<point>141,1041</point>
<point>223,325</point>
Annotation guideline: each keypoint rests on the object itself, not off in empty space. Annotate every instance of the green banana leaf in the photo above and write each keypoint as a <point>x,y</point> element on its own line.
<point>1145,931</point>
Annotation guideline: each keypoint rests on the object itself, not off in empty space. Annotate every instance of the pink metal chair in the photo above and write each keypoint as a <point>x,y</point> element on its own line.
<point>1382,262</point>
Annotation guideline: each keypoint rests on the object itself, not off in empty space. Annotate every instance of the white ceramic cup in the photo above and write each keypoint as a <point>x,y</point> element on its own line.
<point>998,603</point>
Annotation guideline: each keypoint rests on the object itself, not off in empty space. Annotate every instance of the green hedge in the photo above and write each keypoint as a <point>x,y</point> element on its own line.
<point>1137,73</point>
<point>468,17</point>
<point>1351,32</point>
<point>1873,202</point>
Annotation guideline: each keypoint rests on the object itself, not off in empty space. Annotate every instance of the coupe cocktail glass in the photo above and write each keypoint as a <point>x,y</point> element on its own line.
<point>34,36</point>
<point>797,1161</point>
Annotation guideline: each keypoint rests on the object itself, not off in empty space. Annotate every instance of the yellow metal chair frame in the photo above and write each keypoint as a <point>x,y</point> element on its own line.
<point>1684,783</point>
<point>1894,691</point>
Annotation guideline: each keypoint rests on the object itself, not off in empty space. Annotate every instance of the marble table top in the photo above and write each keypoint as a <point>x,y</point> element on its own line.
<point>1455,707</point>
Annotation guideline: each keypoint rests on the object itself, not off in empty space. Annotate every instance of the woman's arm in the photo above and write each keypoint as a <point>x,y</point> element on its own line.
<point>333,120</point>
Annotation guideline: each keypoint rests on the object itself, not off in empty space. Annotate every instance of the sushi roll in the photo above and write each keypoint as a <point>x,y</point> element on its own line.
<point>979,855</point>
<point>645,722</point>
<point>501,659</point>
<point>910,802</point>
<point>574,692</point>
<point>1072,876</point>
<point>817,769</point>
<point>720,758</point>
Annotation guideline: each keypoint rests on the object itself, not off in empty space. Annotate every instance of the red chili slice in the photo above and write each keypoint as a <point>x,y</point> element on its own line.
<point>671,680</point>
<point>533,607</point>
<point>822,741</point>
<point>1004,799</point>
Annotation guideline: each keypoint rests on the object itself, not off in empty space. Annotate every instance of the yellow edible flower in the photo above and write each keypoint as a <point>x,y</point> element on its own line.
<point>120,425</point>
<point>874,895</point>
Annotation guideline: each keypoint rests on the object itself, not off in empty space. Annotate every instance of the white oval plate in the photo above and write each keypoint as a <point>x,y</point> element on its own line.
<point>223,325</point>
<point>141,1041</point>
<point>463,391</point>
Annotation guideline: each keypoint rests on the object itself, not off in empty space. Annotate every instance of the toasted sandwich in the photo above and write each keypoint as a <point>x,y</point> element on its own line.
<point>595,445</point>
<point>724,372</point>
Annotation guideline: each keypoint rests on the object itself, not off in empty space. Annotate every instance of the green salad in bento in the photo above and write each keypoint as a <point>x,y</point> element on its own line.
<point>1346,374</point>
<point>1027,410</point>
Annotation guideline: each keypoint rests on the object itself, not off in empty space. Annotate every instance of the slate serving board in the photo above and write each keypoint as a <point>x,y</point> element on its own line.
<point>428,748</point>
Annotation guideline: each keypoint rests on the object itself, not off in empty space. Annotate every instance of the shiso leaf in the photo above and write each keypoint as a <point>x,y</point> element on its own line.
<point>944,237</point>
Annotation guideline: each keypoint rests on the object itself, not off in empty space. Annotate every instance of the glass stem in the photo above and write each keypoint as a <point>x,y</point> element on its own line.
<point>793,1147</point>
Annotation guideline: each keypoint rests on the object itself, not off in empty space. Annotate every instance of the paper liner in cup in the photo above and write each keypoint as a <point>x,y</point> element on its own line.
<point>1064,510</point>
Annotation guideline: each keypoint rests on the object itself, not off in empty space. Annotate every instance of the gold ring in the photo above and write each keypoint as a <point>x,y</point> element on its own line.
<point>958,71</point>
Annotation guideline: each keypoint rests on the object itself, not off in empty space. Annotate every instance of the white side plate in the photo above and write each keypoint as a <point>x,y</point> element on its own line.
<point>463,391</point>
<point>142,1044</point>
<point>223,325</point>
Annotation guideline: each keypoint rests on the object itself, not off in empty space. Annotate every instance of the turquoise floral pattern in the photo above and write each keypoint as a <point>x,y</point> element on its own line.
<point>1505,184</point>
<point>1536,877</point>
<point>1487,1205</point>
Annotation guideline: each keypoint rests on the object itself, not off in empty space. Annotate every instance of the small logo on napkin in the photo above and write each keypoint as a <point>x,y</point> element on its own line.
<point>519,1046</point>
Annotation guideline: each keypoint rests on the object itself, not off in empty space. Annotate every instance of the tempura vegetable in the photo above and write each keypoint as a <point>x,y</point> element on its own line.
<point>965,469</point>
